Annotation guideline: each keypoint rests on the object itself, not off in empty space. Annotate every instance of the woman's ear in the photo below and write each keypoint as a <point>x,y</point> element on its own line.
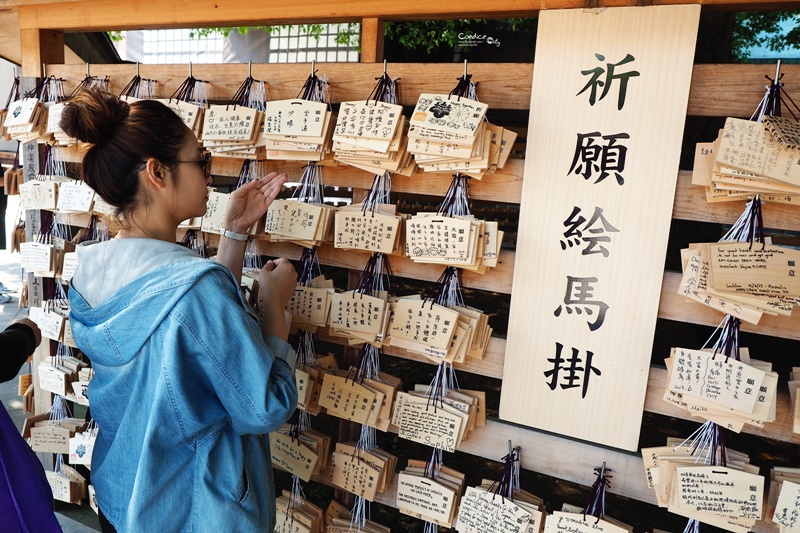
<point>156,173</point>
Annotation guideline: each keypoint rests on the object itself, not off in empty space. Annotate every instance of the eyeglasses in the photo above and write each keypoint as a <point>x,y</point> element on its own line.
<point>204,161</point>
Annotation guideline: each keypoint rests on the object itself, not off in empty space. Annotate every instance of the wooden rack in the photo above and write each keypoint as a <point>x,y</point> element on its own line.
<point>716,91</point>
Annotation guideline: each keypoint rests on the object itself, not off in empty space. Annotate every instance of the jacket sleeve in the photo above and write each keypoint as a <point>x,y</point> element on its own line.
<point>18,344</point>
<point>252,376</point>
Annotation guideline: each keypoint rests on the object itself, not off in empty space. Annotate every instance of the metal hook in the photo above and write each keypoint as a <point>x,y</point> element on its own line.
<point>313,66</point>
<point>137,70</point>
<point>384,67</point>
<point>603,471</point>
<point>777,71</point>
<point>44,70</point>
<point>249,69</point>
<point>465,69</point>
<point>87,69</point>
<point>190,69</point>
<point>510,448</point>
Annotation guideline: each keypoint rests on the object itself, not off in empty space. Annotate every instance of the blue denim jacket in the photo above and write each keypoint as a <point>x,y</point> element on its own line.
<point>185,386</point>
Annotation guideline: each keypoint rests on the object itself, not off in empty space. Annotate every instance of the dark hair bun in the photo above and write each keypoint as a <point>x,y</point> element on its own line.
<point>91,116</point>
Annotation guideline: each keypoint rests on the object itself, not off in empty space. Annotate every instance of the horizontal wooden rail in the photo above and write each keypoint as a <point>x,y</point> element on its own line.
<point>506,186</point>
<point>492,366</point>
<point>104,15</point>
<point>716,91</point>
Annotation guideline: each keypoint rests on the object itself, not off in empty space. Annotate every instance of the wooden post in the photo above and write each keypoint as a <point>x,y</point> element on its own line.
<point>372,34</point>
<point>39,47</point>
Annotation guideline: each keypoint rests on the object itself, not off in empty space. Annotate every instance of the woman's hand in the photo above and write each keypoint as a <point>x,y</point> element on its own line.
<point>249,202</point>
<point>277,281</point>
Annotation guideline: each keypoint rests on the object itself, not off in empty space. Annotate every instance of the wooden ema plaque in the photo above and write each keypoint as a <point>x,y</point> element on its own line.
<point>608,106</point>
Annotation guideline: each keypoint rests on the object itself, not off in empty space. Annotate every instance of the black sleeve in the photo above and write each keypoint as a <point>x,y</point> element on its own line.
<point>17,343</point>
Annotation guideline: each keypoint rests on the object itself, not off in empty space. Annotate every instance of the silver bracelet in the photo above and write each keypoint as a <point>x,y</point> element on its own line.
<point>241,237</point>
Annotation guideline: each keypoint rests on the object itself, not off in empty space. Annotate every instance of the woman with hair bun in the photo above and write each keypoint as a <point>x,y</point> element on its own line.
<point>186,382</point>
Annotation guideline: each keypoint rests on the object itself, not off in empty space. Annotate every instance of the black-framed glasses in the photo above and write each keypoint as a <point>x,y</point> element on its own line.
<point>204,161</point>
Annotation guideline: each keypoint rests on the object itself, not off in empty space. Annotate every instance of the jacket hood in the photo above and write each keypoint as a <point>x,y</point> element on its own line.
<point>123,289</point>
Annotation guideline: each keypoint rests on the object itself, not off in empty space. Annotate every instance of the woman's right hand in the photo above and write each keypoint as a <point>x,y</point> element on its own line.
<point>277,281</point>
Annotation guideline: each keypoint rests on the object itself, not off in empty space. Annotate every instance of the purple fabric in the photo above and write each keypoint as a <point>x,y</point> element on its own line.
<point>26,501</point>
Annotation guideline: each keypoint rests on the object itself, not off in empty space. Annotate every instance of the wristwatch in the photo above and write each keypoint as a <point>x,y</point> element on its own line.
<point>241,237</point>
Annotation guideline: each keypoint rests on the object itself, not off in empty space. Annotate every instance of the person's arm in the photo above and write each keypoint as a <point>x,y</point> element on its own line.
<point>17,343</point>
<point>246,206</point>
<point>251,375</point>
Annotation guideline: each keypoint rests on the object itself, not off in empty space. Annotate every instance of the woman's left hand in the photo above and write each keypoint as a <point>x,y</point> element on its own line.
<point>249,202</point>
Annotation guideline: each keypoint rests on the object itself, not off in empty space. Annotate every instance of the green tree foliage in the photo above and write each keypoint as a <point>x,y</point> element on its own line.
<point>778,30</point>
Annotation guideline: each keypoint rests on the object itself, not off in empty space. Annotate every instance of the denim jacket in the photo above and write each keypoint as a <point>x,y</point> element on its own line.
<point>185,387</point>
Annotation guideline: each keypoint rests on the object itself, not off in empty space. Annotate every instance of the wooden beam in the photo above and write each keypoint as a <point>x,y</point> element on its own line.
<point>40,47</point>
<point>102,15</point>
<point>372,39</point>
<point>492,367</point>
<point>717,90</point>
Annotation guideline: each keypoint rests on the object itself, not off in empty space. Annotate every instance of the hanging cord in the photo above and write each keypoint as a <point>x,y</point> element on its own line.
<point>13,94</point>
<point>773,100</point>
<point>139,87</point>
<point>52,90</point>
<point>385,90</point>
<point>315,89</point>
<point>309,267</point>
<point>596,504</point>
<point>727,343</point>
<point>707,444</point>
<point>456,201</point>
<point>310,189</point>
<point>304,348</point>
<point>360,513</point>
<point>509,479</point>
<point>749,227</point>
<point>443,381</point>
<point>448,290</point>
<point>377,277</point>
<point>50,166</point>
<point>379,193</point>
<point>91,82</point>
<point>432,469</point>
<point>192,91</point>
<point>465,88</point>
<point>251,93</point>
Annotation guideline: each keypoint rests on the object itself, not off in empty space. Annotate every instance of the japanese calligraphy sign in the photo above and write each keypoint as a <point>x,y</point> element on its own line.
<point>721,491</point>
<point>367,118</point>
<point>720,379</point>
<point>230,123</point>
<point>424,323</point>
<point>595,213</point>
<point>295,117</point>
<point>354,475</point>
<point>75,196</point>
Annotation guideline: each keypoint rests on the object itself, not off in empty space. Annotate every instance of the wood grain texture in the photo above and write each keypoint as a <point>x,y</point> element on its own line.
<point>102,15</point>
<point>40,47</point>
<point>372,36</point>
<point>583,317</point>
<point>716,91</point>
